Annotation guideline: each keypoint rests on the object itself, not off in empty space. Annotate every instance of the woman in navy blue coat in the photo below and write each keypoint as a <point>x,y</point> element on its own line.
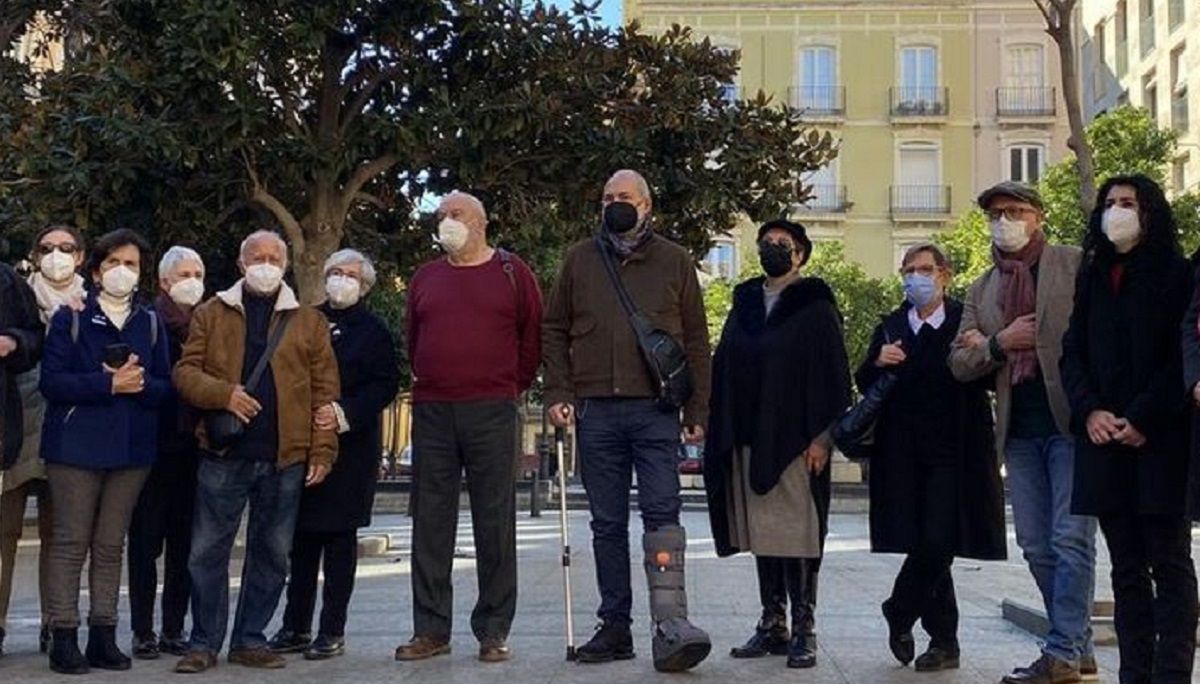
<point>105,372</point>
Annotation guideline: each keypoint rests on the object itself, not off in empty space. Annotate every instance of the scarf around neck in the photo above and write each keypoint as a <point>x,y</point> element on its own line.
<point>50,296</point>
<point>1018,297</point>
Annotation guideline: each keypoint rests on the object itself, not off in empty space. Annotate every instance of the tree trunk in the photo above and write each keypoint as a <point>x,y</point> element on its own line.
<point>1064,36</point>
<point>322,237</point>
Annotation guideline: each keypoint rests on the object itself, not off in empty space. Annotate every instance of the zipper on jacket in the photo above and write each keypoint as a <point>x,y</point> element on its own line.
<point>70,412</point>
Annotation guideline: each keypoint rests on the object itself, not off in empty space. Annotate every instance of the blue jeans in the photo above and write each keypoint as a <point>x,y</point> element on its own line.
<point>1059,547</point>
<point>617,437</point>
<point>224,487</point>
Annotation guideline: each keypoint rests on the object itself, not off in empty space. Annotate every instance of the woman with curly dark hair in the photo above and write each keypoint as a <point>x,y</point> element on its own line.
<point>1122,364</point>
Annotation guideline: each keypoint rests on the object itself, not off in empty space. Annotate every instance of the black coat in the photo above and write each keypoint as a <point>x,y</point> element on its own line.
<point>1122,353</point>
<point>1191,378</point>
<point>369,367</point>
<point>778,383</point>
<point>929,417</point>
<point>19,320</point>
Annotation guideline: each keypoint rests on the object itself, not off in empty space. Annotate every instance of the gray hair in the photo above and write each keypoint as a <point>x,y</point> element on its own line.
<point>640,180</point>
<point>173,257</point>
<point>258,235</point>
<point>939,257</point>
<point>352,256</point>
<point>471,199</point>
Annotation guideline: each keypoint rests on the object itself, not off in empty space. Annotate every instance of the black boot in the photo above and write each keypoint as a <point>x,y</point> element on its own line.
<point>939,657</point>
<point>900,638</point>
<point>770,638</point>
<point>771,634</point>
<point>612,641</point>
<point>65,657</point>
<point>102,651</point>
<point>801,576</point>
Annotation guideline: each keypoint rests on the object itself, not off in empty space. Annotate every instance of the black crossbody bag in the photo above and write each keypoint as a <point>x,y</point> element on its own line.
<point>665,359</point>
<point>222,427</point>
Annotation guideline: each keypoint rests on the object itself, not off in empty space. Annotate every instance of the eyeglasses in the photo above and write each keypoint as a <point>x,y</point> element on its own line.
<point>1012,212</point>
<point>782,243</point>
<point>66,248</point>
<point>925,270</point>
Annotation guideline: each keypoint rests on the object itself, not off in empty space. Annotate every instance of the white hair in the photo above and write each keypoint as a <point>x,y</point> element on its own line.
<point>352,256</point>
<point>642,186</point>
<point>259,235</point>
<point>175,256</point>
<point>471,199</point>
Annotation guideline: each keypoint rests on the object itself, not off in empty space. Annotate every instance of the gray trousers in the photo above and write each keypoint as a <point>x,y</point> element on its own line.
<point>92,510</point>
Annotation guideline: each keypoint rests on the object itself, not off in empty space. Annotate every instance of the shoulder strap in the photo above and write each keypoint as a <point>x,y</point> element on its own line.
<point>272,344</point>
<point>74,326</point>
<point>636,320</point>
<point>506,264</point>
<point>153,328</point>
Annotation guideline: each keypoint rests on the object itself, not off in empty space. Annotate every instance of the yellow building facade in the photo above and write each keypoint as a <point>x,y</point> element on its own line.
<point>932,101</point>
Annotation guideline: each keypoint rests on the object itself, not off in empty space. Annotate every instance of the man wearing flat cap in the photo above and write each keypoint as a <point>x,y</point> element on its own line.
<point>1013,323</point>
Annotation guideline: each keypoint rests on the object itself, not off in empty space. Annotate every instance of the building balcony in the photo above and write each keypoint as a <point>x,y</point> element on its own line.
<point>916,202</point>
<point>819,101</point>
<point>825,199</point>
<point>920,102</point>
<point>1026,103</point>
<point>1179,112</point>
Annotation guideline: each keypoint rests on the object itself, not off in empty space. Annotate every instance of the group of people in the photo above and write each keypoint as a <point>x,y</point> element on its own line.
<point>161,423</point>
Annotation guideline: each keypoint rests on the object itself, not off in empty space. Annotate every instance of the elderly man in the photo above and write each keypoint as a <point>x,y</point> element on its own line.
<point>279,450</point>
<point>330,515</point>
<point>163,517</point>
<point>473,322</point>
<point>597,377</point>
<point>1012,327</point>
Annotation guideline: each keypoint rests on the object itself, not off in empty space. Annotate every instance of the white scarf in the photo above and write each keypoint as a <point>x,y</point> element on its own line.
<point>116,308</point>
<point>50,295</point>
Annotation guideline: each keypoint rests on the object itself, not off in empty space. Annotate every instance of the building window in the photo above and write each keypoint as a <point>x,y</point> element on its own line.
<point>825,194</point>
<point>732,91</point>
<point>1122,39</point>
<point>1179,174</point>
<point>817,88</point>
<point>919,92</point>
<point>1146,24</point>
<point>1025,162</point>
<point>1025,92</point>
<point>722,259</point>
<point>1179,92</point>
<point>1175,14</point>
<point>1100,68</point>
<point>1150,96</point>
<point>919,186</point>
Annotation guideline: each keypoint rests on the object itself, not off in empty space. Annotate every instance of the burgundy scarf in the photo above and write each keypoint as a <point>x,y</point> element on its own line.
<point>1018,297</point>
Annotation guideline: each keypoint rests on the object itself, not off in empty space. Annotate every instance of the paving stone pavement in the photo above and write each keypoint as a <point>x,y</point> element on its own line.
<point>723,597</point>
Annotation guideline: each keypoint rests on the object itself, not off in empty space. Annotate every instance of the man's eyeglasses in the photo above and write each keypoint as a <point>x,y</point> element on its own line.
<point>66,248</point>
<point>1011,212</point>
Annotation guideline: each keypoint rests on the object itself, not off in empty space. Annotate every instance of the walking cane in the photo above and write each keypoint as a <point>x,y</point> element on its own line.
<point>560,439</point>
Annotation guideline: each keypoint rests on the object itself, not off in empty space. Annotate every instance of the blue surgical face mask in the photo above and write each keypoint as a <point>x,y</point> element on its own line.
<point>920,290</point>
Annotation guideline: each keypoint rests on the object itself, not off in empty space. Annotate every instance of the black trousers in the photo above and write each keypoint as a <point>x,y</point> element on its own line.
<point>480,438</point>
<point>337,554</point>
<point>1154,587</point>
<point>788,580</point>
<point>162,522</point>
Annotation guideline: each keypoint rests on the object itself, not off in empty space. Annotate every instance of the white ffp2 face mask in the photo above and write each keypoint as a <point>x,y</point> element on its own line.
<point>453,235</point>
<point>264,278</point>
<point>1009,235</point>
<point>57,267</point>
<point>343,291</point>
<point>119,281</point>
<point>1122,227</point>
<point>187,292</point>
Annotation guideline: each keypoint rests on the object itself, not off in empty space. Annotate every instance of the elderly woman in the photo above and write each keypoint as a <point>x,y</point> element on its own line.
<point>935,485</point>
<point>1122,365</point>
<point>780,379</point>
<point>326,534</point>
<point>163,517</point>
<point>105,372</point>
<point>57,255</point>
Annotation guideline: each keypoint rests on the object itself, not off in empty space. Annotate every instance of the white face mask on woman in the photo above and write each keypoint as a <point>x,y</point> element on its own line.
<point>119,281</point>
<point>1122,227</point>
<point>343,291</point>
<point>187,292</point>
<point>264,278</point>
<point>57,267</point>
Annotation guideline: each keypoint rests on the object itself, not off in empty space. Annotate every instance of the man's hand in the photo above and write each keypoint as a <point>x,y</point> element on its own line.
<point>816,456</point>
<point>325,418</point>
<point>242,405</point>
<point>1020,335</point>
<point>129,378</point>
<point>1129,435</point>
<point>970,339</point>
<point>316,474</point>
<point>1103,427</point>
<point>8,345</point>
<point>562,415</point>
<point>693,434</point>
<point>890,355</point>
<point>1196,394</point>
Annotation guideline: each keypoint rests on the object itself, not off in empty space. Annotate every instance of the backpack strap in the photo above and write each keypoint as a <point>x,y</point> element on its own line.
<point>153,328</point>
<point>74,326</point>
<point>508,266</point>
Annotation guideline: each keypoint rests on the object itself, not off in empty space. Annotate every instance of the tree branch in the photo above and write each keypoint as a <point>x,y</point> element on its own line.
<point>368,198</point>
<point>1051,26</point>
<point>363,175</point>
<point>260,195</point>
<point>364,96</point>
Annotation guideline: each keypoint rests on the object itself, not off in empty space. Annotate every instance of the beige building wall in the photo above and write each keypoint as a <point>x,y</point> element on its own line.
<point>913,96</point>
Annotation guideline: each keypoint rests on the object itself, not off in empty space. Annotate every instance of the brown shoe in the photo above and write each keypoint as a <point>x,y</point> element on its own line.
<point>196,662</point>
<point>423,647</point>
<point>494,650</point>
<point>260,658</point>
<point>1045,670</point>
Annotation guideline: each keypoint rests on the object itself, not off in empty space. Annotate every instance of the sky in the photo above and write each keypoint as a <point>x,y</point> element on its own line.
<point>610,9</point>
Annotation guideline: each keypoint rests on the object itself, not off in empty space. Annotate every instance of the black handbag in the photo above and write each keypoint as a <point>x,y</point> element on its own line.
<point>224,429</point>
<point>854,432</point>
<point>665,359</point>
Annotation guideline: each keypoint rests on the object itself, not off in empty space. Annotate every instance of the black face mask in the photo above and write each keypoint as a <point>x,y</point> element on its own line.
<point>620,217</point>
<point>776,259</point>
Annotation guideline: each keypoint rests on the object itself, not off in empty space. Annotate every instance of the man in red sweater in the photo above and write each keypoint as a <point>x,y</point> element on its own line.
<point>474,320</point>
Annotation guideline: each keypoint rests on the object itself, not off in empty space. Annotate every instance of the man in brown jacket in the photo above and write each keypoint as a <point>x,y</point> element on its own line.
<point>279,452</point>
<point>596,377</point>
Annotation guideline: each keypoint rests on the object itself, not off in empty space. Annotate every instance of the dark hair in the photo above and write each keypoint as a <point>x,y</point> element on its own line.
<point>77,236</point>
<point>111,242</point>
<point>796,230</point>
<point>939,257</point>
<point>1159,233</point>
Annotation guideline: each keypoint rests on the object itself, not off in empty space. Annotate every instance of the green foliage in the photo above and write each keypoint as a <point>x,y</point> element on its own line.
<point>1186,208</point>
<point>968,245</point>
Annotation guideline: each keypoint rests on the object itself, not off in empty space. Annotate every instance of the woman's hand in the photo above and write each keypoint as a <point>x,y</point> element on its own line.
<point>1103,427</point>
<point>816,456</point>
<point>890,355</point>
<point>128,379</point>
<point>1129,435</point>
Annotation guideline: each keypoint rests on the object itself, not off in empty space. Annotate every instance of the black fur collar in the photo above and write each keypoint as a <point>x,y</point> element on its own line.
<point>748,300</point>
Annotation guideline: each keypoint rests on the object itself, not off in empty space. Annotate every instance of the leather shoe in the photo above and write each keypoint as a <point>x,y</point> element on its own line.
<point>900,639</point>
<point>494,650</point>
<point>768,639</point>
<point>145,648</point>
<point>258,658</point>
<point>936,658</point>
<point>173,645</point>
<point>423,647</point>
<point>325,647</point>
<point>287,641</point>
<point>802,651</point>
<point>1045,670</point>
<point>196,662</point>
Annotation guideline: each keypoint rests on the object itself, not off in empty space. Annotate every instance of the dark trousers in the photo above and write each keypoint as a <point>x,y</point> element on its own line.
<point>784,580</point>
<point>224,488</point>
<point>924,589</point>
<point>480,438</point>
<point>162,522</point>
<point>617,437</point>
<point>337,552</point>
<point>1154,587</point>
<point>12,524</point>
